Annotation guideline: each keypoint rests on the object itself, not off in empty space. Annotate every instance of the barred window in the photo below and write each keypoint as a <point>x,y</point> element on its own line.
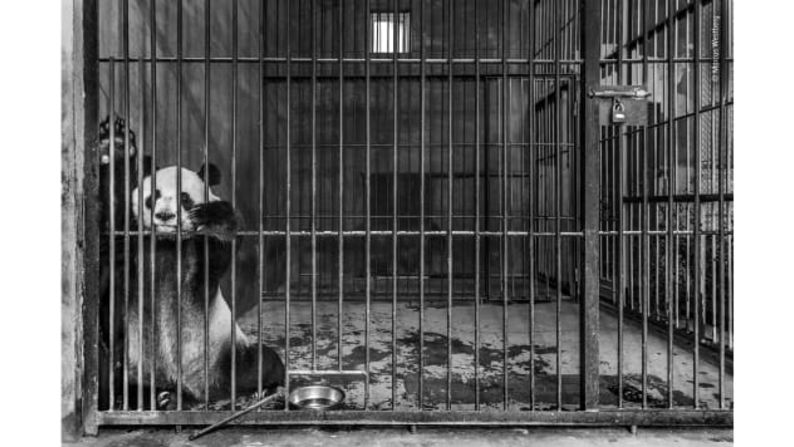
<point>383,38</point>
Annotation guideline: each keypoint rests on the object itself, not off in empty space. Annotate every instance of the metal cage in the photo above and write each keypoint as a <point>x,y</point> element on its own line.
<point>437,218</point>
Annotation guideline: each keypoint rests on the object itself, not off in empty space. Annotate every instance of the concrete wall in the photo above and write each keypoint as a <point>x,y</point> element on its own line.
<point>70,384</point>
<point>78,213</point>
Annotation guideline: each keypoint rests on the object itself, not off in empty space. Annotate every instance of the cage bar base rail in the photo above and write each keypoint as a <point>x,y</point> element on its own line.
<point>600,418</point>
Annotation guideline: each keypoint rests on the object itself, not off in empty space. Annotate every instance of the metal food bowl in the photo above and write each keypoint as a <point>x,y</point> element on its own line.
<point>316,397</point>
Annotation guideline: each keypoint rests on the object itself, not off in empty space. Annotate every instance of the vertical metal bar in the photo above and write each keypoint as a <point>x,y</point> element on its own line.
<point>589,358</point>
<point>558,24</point>
<point>712,240</point>
<point>368,186</point>
<point>645,248</point>
<point>605,145</point>
<point>696,229</point>
<point>547,158</point>
<point>630,179</point>
<point>179,206</point>
<point>729,279</point>
<point>688,94</point>
<point>395,168</point>
<point>636,173</point>
<point>654,164</point>
<point>314,183</point>
<point>112,229</point>
<point>153,237</point>
<point>207,23</point>
<point>233,273</point>
<point>261,192</point>
<point>531,201</point>
<point>287,210</point>
<point>139,259</point>
<point>126,46</point>
<point>608,139</point>
<point>543,196</point>
<point>504,111</point>
<point>619,210</point>
<point>722,168</point>
<point>671,147</point>
<point>713,176</point>
<point>340,236</point>
<point>449,204</point>
<point>477,186</point>
<point>422,94</point>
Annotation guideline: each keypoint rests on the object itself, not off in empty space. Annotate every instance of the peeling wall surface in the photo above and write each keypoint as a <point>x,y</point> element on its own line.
<point>69,387</point>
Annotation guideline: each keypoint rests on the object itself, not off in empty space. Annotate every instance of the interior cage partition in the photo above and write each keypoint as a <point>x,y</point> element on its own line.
<point>525,201</point>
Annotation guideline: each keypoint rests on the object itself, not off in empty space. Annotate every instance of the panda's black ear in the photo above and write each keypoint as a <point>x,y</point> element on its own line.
<point>212,175</point>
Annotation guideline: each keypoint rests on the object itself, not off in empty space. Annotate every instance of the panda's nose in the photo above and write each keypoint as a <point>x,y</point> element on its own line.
<point>164,216</point>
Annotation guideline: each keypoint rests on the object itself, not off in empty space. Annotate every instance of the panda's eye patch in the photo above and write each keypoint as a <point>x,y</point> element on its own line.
<point>149,199</point>
<point>187,202</point>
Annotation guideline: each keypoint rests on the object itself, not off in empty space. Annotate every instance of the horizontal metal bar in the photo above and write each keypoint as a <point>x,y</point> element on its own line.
<point>335,233</point>
<point>680,198</point>
<point>665,418</point>
<point>657,60</point>
<point>427,145</point>
<point>659,232</point>
<point>326,372</point>
<point>358,296</point>
<point>299,217</point>
<point>414,60</point>
<point>412,216</point>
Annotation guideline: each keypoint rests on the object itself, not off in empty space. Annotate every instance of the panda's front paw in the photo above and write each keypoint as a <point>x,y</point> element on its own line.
<point>216,219</point>
<point>212,213</point>
<point>166,401</point>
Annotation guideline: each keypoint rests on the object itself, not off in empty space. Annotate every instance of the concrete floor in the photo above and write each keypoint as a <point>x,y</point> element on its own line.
<point>492,345</point>
<point>406,335</point>
<point>238,437</point>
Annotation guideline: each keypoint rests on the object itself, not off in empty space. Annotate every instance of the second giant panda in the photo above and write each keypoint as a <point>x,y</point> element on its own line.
<point>201,215</point>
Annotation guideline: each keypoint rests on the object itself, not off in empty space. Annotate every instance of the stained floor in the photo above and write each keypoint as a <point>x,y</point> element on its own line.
<point>459,361</point>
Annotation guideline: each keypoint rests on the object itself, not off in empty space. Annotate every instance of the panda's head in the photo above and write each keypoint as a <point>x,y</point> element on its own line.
<point>164,199</point>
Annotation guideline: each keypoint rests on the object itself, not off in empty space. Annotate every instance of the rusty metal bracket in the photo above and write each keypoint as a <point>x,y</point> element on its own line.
<point>620,91</point>
<point>633,99</point>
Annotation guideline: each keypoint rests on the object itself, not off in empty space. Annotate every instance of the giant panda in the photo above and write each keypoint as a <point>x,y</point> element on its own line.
<point>203,217</point>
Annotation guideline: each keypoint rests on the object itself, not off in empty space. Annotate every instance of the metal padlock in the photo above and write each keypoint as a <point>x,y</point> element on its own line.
<point>618,112</point>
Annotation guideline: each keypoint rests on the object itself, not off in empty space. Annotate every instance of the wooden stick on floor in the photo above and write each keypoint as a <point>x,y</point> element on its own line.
<point>234,416</point>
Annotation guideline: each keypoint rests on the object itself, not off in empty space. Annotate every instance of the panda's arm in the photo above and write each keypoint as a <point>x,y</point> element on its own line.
<point>216,219</point>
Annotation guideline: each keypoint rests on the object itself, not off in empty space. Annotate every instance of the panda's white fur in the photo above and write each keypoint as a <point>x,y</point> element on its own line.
<point>220,319</point>
<point>220,324</point>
